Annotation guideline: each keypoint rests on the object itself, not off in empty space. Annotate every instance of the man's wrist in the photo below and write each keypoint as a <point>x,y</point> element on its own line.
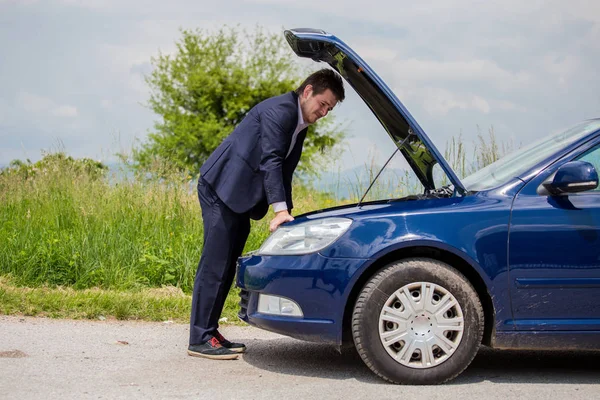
<point>279,207</point>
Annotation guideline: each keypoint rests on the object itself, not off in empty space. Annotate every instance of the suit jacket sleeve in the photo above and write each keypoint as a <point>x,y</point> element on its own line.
<point>275,138</point>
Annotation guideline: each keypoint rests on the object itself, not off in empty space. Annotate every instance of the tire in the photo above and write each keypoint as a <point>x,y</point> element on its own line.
<point>428,332</point>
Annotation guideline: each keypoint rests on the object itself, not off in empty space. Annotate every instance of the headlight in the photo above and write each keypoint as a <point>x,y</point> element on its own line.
<point>306,237</point>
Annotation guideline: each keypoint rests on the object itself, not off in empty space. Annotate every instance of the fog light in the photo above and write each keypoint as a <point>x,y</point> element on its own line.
<point>276,305</point>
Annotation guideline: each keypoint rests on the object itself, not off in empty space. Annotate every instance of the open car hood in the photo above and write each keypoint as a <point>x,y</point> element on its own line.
<point>419,151</point>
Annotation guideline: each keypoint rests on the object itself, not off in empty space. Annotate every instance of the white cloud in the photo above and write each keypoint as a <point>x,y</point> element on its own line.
<point>368,51</point>
<point>64,111</point>
<point>33,103</point>
<point>146,7</point>
<point>506,105</point>
<point>460,70</point>
<point>4,110</point>
<point>43,106</point>
<point>21,2</point>
<point>103,5</point>
<point>468,61</point>
<point>562,67</point>
<point>439,101</point>
<point>435,12</point>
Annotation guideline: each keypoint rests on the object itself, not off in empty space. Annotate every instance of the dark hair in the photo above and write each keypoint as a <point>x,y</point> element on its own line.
<point>322,80</point>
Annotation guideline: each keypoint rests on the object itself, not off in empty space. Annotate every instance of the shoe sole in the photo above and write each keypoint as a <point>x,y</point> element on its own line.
<point>239,350</point>
<point>214,356</point>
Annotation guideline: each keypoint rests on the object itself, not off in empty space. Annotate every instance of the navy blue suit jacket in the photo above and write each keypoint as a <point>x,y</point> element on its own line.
<point>249,169</point>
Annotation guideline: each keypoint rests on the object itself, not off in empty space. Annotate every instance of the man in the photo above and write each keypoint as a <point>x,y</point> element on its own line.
<point>250,170</point>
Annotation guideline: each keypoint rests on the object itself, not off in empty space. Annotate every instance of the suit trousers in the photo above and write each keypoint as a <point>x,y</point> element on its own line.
<point>225,234</point>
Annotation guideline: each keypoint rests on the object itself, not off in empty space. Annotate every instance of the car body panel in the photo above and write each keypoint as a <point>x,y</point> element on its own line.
<point>545,340</point>
<point>558,306</point>
<point>322,282</point>
<point>533,258</point>
<point>555,256</point>
<point>497,233</point>
<point>320,285</point>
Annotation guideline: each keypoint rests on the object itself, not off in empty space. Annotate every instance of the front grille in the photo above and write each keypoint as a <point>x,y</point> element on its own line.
<point>244,297</point>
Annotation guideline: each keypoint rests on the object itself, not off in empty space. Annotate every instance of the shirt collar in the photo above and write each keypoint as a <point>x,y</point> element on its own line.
<point>300,117</point>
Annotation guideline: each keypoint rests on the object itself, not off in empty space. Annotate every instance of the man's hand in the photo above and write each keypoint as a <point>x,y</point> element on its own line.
<point>280,218</point>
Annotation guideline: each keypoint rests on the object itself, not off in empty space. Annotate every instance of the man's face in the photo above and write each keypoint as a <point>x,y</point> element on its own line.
<point>316,106</point>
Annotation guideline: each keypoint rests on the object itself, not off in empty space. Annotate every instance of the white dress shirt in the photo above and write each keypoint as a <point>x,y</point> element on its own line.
<point>282,205</point>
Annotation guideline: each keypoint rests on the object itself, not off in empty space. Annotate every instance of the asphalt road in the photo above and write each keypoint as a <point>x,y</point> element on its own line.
<point>57,359</point>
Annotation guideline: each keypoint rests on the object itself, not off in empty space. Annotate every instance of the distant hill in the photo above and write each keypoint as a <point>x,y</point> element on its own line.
<point>352,183</point>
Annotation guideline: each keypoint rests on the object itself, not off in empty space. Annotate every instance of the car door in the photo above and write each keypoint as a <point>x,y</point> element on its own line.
<point>554,254</point>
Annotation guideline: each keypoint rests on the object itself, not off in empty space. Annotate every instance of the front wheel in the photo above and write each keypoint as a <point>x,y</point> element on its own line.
<point>417,321</point>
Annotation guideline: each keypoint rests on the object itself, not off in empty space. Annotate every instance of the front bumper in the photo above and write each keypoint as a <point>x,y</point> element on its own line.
<point>320,285</point>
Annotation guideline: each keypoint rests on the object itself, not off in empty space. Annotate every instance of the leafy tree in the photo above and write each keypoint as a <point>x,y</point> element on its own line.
<point>204,90</point>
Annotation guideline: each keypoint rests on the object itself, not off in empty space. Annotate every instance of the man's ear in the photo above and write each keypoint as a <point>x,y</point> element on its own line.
<point>308,89</point>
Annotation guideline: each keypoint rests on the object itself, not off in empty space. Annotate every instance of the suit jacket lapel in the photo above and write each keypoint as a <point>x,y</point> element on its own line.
<point>294,157</point>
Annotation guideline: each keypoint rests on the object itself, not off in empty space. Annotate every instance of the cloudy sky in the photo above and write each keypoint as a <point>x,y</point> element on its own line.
<point>71,71</point>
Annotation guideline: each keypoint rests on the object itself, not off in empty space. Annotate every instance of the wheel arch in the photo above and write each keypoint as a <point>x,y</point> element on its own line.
<point>425,251</point>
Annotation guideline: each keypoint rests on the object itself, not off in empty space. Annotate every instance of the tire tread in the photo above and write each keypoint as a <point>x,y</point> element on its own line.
<point>372,285</point>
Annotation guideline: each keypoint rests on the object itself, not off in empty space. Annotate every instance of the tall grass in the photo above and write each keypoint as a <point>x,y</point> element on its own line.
<point>464,159</point>
<point>63,225</point>
<point>485,151</point>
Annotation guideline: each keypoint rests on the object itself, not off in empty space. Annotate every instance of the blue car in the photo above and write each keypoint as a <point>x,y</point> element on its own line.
<point>508,257</point>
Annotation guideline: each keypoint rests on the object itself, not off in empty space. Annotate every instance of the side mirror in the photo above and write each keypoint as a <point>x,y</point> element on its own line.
<point>572,177</point>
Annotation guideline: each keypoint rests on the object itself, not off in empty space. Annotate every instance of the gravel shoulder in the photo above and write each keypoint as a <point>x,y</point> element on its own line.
<point>57,359</point>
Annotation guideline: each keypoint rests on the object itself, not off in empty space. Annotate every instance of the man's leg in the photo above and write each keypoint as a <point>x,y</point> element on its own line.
<point>225,234</point>
<point>243,229</point>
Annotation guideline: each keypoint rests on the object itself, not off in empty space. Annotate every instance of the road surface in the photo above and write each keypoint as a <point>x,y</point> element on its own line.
<point>57,359</point>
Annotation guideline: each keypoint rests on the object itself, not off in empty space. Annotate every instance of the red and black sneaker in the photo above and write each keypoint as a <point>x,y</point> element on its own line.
<point>212,349</point>
<point>236,347</point>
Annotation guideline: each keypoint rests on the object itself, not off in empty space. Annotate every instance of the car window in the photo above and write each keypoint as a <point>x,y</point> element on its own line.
<point>520,161</point>
<point>593,157</point>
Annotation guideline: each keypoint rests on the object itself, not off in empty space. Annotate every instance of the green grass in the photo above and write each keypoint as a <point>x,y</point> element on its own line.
<point>79,244</point>
<point>76,243</point>
<point>61,226</point>
<point>151,304</point>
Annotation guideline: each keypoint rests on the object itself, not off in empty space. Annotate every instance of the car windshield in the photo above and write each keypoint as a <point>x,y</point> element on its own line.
<point>518,162</point>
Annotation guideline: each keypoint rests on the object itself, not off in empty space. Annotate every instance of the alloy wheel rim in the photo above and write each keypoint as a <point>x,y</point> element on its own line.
<point>421,325</point>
